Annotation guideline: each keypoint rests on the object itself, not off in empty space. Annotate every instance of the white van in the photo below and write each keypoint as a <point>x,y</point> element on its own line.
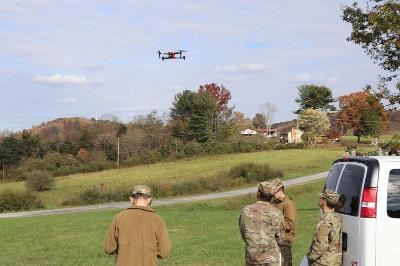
<point>370,208</point>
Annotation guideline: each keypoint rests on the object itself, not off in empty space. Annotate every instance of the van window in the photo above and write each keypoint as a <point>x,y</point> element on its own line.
<point>349,188</point>
<point>333,176</point>
<point>393,198</point>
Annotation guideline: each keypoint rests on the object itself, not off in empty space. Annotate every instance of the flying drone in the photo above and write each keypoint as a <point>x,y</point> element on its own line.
<point>172,55</point>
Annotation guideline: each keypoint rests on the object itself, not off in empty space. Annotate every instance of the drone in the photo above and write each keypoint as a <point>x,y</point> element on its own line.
<point>172,55</point>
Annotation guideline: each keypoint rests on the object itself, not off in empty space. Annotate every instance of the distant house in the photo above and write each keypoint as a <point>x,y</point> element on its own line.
<point>268,133</point>
<point>248,132</point>
<point>294,135</point>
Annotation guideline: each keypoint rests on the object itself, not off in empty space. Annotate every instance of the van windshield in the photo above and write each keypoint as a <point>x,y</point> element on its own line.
<point>349,188</point>
<point>333,176</point>
<point>393,199</point>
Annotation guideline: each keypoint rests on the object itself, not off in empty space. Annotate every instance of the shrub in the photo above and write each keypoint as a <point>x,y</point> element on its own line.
<point>252,172</point>
<point>92,195</point>
<point>288,146</point>
<point>99,194</point>
<point>193,148</point>
<point>14,201</point>
<point>39,181</point>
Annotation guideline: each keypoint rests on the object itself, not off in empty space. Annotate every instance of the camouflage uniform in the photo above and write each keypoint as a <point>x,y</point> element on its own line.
<point>261,228</point>
<point>326,248</point>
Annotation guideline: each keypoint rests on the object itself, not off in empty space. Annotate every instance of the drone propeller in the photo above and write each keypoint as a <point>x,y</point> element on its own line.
<point>159,54</point>
<point>182,51</point>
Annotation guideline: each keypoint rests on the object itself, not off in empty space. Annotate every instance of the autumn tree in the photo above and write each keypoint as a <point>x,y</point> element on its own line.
<point>259,121</point>
<point>363,113</point>
<point>315,97</point>
<point>221,94</point>
<point>376,28</point>
<point>313,123</point>
<point>240,121</point>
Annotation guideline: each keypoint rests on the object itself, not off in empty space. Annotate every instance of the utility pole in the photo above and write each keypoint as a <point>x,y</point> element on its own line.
<point>4,172</point>
<point>117,152</point>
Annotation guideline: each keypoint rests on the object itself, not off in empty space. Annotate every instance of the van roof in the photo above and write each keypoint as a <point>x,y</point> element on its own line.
<point>386,158</point>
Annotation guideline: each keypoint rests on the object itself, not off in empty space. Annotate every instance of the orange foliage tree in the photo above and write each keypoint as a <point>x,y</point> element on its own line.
<point>221,94</point>
<point>363,113</point>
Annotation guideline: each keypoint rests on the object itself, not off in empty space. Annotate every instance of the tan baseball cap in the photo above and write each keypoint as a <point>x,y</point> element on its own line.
<point>330,196</point>
<point>142,189</point>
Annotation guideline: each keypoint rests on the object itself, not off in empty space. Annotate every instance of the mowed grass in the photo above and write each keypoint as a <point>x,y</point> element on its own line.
<point>381,138</point>
<point>294,163</point>
<point>203,233</point>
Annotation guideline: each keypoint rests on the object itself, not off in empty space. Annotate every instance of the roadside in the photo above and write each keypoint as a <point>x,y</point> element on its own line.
<point>161,202</point>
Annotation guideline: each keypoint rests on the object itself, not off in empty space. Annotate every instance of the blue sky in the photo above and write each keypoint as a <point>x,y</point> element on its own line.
<point>88,58</point>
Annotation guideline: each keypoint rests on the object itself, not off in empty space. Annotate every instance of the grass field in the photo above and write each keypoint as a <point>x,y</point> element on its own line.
<point>294,163</point>
<point>203,233</point>
<point>382,138</point>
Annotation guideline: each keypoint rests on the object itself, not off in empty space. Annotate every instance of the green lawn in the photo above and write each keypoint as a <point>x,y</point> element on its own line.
<point>203,233</point>
<point>294,163</point>
<point>382,138</point>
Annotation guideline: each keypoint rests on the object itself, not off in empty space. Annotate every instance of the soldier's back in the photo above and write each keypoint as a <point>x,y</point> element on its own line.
<point>260,225</point>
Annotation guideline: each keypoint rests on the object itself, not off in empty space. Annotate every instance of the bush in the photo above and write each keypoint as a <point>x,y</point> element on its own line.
<point>39,181</point>
<point>193,148</point>
<point>288,146</point>
<point>218,148</point>
<point>99,194</point>
<point>13,201</point>
<point>252,172</point>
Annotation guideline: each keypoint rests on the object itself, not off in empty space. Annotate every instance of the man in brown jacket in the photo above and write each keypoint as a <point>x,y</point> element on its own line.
<point>138,236</point>
<point>286,206</point>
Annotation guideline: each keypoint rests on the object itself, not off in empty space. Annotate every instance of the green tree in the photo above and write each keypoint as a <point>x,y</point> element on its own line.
<point>315,97</point>
<point>259,121</point>
<point>376,28</point>
<point>313,123</point>
<point>195,115</point>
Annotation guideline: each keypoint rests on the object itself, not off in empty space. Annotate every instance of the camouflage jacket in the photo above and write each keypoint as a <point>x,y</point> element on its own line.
<point>326,248</point>
<point>261,228</point>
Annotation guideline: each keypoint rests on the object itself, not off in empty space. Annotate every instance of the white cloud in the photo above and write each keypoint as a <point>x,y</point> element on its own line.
<point>316,78</point>
<point>246,68</point>
<point>304,77</point>
<point>59,79</point>
<point>67,100</point>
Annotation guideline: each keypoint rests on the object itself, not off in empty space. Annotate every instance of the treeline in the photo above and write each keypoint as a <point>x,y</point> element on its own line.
<point>200,122</point>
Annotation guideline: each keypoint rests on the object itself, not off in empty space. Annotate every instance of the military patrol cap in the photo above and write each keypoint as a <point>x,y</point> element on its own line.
<point>142,189</point>
<point>330,196</point>
<point>268,187</point>
<point>278,183</point>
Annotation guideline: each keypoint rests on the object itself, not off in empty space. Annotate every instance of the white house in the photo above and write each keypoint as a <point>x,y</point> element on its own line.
<point>248,132</point>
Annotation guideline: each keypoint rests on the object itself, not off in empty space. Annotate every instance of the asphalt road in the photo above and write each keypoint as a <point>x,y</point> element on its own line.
<point>161,202</point>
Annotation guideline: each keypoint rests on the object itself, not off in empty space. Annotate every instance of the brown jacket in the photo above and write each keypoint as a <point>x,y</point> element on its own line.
<point>288,210</point>
<point>137,236</point>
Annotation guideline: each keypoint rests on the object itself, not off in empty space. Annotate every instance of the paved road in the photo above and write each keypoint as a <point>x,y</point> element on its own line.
<point>161,202</point>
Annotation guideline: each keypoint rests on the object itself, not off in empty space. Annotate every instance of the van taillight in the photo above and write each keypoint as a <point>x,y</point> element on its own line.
<point>368,204</point>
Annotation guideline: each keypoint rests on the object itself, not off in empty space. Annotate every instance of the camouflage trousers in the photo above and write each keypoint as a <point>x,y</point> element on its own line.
<point>286,252</point>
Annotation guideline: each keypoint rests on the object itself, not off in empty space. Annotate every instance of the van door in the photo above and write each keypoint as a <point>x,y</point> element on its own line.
<point>350,188</point>
<point>388,215</point>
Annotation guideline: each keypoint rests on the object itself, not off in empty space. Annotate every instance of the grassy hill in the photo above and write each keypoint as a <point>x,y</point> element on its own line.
<point>293,163</point>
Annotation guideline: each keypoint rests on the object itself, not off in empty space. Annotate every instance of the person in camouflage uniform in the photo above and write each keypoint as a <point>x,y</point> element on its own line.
<point>261,228</point>
<point>326,247</point>
<point>286,206</point>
